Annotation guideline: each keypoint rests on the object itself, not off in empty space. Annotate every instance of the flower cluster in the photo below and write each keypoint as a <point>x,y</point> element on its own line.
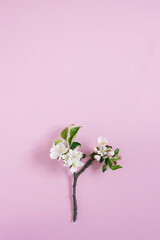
<point>105,153</point>
<point>67,150</point>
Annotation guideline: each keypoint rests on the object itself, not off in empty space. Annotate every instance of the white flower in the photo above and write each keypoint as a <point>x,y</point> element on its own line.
<point>102,141</point>
<point>97,157</point>
<point>67,159</point>
<point>57,151</point>
<point>110,153</point>
<point>80,154</point>
<point>102,151</point>
<point>73,159</point>
<point>75,154</point>
<point>76,163</point>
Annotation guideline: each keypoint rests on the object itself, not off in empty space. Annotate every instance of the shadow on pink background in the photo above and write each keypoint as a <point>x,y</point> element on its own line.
<point>95,64</point>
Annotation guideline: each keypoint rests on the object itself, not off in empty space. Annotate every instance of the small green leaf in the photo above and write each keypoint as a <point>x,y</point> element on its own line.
<point>101,160</point>
<point>73,134</point>
<point>115,158</point>
<point>106,160</point>
<point>57,141</point>
<point>74,145</point>
<point>92,155</point>
<point>116,152</point>
<point>113,167</point>
<point>116,167</point>
<point>104,167</point>
<point>84,155</point>
<point>110,163</point>
<point>64,133</point>
<point>108,146</point>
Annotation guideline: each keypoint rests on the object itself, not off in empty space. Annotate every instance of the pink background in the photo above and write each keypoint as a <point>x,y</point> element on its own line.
<point>92,63</point>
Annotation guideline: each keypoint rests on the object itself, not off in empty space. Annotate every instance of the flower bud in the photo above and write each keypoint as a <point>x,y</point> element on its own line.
<point>97,157</point>
<point>95,149</point>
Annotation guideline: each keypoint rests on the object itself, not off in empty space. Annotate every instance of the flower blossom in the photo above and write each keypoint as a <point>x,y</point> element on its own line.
<point>57,151</point>
<point>102,141</point>
<point>103,151</point>
<point>73,159</point>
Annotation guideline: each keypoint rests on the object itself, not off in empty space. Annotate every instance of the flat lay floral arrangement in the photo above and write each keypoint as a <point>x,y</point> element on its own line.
<point>67,150</point>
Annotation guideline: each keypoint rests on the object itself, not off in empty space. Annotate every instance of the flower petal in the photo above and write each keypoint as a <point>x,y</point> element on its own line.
<point>53,155</point>
<point>102,141</point>
<point>73,169</point>
<point>97,157</point>
<point>110,153</point>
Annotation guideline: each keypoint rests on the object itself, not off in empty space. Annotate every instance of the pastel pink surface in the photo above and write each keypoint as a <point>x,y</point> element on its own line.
<point>95,64</point>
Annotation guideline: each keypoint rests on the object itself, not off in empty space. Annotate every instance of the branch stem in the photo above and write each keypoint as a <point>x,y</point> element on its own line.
<point>76,175</point>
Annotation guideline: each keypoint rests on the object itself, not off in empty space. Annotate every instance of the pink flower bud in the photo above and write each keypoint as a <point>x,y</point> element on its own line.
<point>95,149</point>
<point>110,153</point>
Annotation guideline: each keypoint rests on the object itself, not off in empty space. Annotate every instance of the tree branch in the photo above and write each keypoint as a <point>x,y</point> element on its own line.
<point>76,175</point>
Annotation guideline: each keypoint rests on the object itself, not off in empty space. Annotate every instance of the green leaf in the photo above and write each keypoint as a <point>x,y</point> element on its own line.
<point>74,145</point>
<point>106,160</point>
<point>108,146</point>
<point>92,155</point>
<point>101,160</point>
<point>113,167</point>
<point>64,133</point>
<point>115,158</point>
<point>104,167</point>
<point>116,152</point>
<point>73,134</point>
<point>57,141</point>
<point>110,163</point>
<point>116,167</point>
<point>84,155</point>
